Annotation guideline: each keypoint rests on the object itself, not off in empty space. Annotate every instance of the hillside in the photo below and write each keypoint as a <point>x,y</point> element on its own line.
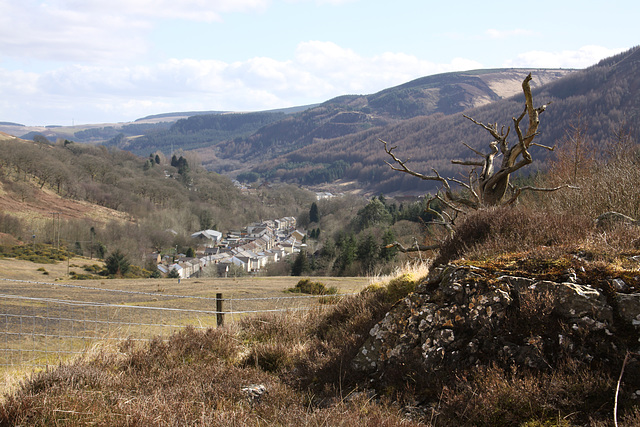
<point>602,99</point>
<point>233,142</point>
<point>156,127</point>
<point>335,145</point>
<point>86,195</point>
<point>437,95</point>
<point>531,336</point>
<point>197,131</point>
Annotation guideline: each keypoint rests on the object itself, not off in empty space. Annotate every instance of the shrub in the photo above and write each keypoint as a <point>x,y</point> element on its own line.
<point>93,268</point>
<point>494,231</point>
<point>306,286</point>
<point>80,276</point>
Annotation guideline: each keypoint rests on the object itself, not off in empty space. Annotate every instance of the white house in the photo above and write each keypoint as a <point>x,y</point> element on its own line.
<point>181,271</point>
<point>208,238</point>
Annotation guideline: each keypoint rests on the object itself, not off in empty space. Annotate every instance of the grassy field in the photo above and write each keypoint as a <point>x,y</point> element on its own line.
<point>46,318</point>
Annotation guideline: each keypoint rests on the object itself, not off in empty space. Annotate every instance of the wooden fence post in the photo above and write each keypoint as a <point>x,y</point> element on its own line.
<point>219,314</point>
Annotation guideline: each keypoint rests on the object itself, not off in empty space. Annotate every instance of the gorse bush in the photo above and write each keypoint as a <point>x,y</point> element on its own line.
<point>42,254</point>
<point>306,286</point>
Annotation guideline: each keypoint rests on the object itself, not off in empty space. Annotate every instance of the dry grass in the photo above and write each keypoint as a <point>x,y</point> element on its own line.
<point>489,396</point>
<point>495,231</point>
<point>414,271</point>
<point>196,377</point>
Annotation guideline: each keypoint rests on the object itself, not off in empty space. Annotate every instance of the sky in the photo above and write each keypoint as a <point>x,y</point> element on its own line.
<point>65,62</point>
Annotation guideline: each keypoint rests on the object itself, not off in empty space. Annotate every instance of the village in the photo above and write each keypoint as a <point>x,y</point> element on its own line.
<point>245,252</point>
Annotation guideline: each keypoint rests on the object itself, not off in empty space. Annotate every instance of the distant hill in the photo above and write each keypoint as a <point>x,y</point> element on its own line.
<point>336,142</point>
<point>227,141</point>
<point>604,96</point>
<point>196,131</point>
<point>441,94</point>
<point>179,115</point>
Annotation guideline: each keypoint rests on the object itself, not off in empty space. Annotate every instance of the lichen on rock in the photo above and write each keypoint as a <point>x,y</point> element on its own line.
<point>462,316</point>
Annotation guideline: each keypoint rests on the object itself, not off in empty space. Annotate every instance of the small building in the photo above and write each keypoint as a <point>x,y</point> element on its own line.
<point>207,238</point>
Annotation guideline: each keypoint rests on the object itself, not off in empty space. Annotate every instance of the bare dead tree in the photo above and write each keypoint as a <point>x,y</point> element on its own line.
<point>488,183</point>
<point>492,186</point>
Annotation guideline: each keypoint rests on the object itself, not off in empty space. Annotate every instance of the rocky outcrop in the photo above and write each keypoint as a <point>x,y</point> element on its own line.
<point>462,316</point>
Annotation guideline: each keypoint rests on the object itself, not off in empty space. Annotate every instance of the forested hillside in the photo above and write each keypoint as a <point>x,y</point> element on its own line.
<point>107,195</point>
<point>197,131</point>
<point>345,116</point>
<point>602,101</point>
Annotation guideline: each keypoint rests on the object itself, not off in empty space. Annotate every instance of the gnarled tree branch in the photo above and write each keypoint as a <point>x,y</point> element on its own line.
<point>491,187</point>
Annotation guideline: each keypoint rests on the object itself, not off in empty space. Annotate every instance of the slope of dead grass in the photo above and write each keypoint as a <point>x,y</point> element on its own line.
<point>41,204</point>
<point>196,377</point>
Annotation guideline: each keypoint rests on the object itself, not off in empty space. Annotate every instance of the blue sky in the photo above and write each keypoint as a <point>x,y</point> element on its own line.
<point>99,61</point>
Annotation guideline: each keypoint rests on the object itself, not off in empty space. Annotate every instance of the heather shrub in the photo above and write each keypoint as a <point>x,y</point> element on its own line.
<point>494,231</point>
<point>490,396</point>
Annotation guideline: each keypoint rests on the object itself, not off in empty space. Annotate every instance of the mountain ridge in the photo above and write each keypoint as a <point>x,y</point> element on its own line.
<point>602,98</point>
<point>336,142</point>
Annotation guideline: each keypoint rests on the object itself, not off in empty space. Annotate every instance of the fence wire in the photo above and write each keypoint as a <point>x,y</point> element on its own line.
<point>38,331</point>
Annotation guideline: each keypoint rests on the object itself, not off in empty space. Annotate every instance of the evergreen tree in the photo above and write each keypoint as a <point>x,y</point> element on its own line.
<point>301,264</point>
<point>314,215</point>
<point>348,249</point>
<point>182,165</point>
<point>117,263</point>
<point>328,249</point>
<point>101,250</point>
<point>374,213</point>
<point>388,254</point>
<point>367,252</point>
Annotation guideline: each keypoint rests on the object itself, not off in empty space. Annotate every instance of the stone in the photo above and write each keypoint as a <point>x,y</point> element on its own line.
<point>619,285</point>
<point>461,315</point>
<point>629,308</point>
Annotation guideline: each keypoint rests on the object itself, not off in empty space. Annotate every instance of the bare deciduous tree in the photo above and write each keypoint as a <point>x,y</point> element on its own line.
<point>488,183</point>
<point>490,187</point>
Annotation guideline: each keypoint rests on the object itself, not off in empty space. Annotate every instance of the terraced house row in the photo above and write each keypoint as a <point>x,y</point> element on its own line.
<point>248,250</point>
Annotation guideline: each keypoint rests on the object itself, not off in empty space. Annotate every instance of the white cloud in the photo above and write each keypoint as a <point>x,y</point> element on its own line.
<point>318,71</point>
<point>34,31</point>
<point>98,31</point>
<point>581,58</point>
<point>192,10</point>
